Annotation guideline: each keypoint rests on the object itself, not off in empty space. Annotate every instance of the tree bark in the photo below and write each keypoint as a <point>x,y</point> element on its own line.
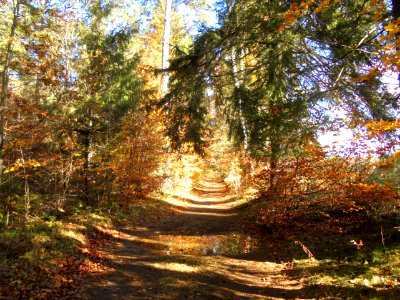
<point>238,84</point>
<point>165,78</point>
<point>395,9</point>
<point>166,46</point>
<point>275,147</point>
<point>238,68</point>
<point>396,15</point>
<point>5,80</point>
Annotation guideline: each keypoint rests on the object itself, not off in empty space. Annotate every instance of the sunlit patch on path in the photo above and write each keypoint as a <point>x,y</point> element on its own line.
<point>199,252</point>
<point>205,197</point>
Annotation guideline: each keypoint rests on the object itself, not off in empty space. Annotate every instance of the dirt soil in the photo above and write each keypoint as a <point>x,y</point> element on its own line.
<point>198,252</point>
<point>201,251</point>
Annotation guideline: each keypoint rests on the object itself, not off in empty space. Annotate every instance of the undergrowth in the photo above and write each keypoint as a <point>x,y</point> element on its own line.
<point>49,256</point>
<point>371,275</point>
<point>337,252</point>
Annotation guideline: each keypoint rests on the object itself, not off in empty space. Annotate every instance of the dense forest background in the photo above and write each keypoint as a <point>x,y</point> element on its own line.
<point>101,101</point>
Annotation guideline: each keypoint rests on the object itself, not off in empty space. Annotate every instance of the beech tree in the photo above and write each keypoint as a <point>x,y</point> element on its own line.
<point>32,78</point>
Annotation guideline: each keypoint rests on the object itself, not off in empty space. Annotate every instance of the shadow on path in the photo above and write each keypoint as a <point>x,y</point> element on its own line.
<point>199,252</point>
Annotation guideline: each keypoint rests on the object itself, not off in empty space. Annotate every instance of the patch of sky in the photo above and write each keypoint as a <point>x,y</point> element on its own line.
<point>336,132</point>
<point>339,139</point>
<point>125,14</point>
<point>321,49</point>
<point>391,82</point>
<point>198,17</point>
<point>341,136</point>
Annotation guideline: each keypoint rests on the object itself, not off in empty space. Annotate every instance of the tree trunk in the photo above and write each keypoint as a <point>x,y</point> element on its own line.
<point>241,115</point>
<point>86,136</point>
<point>5,79</point>
<point>86,153</point>
<point>238,68</point>
<point>166,46</point>
<point>275,148</point>
<point>396,15</point>
<point>26,189</point>
<point>165,79</point>
<point>396,9</point>
<point>236,72</point>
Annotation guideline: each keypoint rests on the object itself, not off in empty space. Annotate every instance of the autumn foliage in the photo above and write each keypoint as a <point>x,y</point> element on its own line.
<point>324,185</point>
<point>85,129</point>
<point>136,161</point>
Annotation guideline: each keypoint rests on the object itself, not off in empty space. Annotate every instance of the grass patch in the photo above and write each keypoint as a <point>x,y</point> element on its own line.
<point>375,277</point>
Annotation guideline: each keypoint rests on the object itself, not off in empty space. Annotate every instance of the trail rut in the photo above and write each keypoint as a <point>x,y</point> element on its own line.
<point>199,252</point>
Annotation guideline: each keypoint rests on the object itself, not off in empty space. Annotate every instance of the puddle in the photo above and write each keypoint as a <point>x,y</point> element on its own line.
<point>232,244</point>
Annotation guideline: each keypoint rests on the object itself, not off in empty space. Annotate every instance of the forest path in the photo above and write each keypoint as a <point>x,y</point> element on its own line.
<point>198,252</point>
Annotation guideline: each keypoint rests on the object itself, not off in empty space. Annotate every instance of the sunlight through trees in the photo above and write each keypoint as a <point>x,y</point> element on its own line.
<point>109,108</point>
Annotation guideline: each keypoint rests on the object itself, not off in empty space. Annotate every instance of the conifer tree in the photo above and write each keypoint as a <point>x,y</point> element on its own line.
<point>285,72</point>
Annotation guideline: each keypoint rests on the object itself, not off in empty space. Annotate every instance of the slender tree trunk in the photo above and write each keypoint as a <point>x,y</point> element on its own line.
<point>241,115</point>
<point>26,189</point>
<point>396,15</point>
<point>66,173</point>
<point>239,68</point>
<point>166,46</point>
<point>5,80</point>
<point>239,71</point>
<point>396,9</point>
<point>87,135</point>
<point>165,77</point>
<point>275,147</point>
<point>86,144</point>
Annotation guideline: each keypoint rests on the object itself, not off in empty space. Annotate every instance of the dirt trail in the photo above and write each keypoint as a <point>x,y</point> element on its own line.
<point>200,252</point>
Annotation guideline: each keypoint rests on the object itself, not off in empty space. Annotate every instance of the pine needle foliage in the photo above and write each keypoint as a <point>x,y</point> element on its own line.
<point>271,80</point>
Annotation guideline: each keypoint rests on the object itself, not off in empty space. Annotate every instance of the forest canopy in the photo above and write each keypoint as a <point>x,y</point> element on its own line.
<point>278,68</point>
